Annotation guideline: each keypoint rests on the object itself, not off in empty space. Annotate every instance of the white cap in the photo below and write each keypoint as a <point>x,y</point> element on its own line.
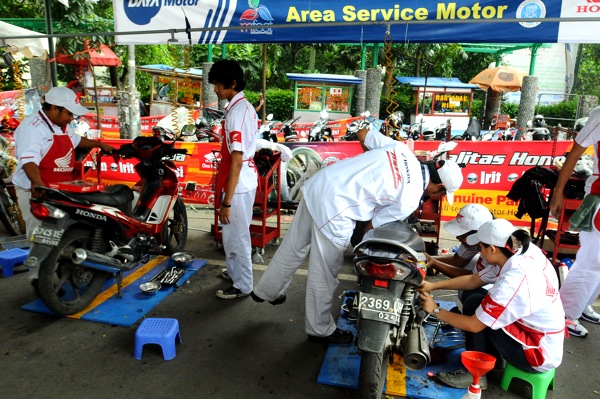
<point>65,97</point>
<point>469,218</point>
<point>451,177</point>
<point>495,232</point>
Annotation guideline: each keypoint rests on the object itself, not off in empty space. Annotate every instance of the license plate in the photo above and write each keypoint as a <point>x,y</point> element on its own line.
<point>47,235</point>
<point>378,308</point>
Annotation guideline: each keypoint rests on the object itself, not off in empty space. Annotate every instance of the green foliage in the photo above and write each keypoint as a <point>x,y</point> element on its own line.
<point>279,102</point>
<point>588,76</point>
<point>401,101</point>
<point>557,113</point>
<point>511,109</point>
<point>477,109</point>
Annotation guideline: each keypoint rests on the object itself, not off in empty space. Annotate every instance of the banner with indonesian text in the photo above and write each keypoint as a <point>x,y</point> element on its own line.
<point>489,172</point>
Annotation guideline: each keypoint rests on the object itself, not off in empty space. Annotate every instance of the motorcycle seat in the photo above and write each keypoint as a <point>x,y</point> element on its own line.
<point>118,195</point>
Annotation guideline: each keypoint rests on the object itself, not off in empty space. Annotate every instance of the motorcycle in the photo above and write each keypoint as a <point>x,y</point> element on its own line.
<point>351,129</point>
<point>537,129</point>
<point>392,127</point>
<point>10,213</point>
<point>207,132</point>
<point>472,132</point>
<point>390,265</point>
<point>289,133</point>
<point>90,231</point>
<point>319,130</point>
<point>264,132</point>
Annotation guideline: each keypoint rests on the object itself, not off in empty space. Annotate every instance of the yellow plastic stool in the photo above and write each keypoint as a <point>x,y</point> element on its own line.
<point>540,382</point>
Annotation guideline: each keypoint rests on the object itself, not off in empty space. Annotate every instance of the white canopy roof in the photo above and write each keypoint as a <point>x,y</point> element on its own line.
<point>28,47</point>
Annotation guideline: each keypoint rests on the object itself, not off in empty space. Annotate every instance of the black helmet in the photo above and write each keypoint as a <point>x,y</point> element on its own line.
<point>539,121</point>
<point>202,123</point>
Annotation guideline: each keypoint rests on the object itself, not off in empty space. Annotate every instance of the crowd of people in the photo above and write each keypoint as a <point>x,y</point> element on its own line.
<point>511,305</point>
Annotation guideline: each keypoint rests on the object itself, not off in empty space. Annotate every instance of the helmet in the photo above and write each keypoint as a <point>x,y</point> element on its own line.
<point>539,121</point>
<point>202,123</point>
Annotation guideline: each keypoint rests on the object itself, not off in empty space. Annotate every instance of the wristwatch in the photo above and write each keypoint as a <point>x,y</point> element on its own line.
<point>436,311</point>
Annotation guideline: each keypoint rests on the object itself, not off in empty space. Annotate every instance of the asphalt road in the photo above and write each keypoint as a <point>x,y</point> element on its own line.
<point>231,348</point>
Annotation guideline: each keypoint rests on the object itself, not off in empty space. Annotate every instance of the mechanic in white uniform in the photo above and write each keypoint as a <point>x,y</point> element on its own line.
<point>582,285</point>
<point>236,178</point>
<point>382,185</point>
<point>521,318</point>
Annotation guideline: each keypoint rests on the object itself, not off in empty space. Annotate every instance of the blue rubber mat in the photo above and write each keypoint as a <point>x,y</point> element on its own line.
<point>342,364</point>
<point>133,304</point>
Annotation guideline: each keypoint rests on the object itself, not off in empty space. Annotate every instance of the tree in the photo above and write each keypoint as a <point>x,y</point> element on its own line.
<point>588,73</point>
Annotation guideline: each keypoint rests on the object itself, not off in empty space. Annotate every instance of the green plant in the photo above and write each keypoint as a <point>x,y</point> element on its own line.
<point>279,102</point>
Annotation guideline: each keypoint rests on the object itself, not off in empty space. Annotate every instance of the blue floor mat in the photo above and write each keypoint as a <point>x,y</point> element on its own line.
<point>342,364</point>
<point>133,305</point>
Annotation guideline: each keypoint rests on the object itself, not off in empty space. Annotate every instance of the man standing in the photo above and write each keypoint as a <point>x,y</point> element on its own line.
<point>382,185</point>
<point>45,145</point>
<point>236,176</point>
<point>582,285</point>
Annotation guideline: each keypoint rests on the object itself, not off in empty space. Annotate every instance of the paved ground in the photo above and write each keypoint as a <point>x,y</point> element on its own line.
<point>231,349</point>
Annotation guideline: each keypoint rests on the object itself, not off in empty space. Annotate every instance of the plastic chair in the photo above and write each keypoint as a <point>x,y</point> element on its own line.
<point>540,382</point>
<point>10,258</point>
<point>163,332</point>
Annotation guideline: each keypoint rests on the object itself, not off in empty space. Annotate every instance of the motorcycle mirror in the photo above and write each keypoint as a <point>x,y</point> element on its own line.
<point>366,114</point>
<point>270,117</point>
<point>188,130</point>
<point>324,114</point>
<point>529,123</point>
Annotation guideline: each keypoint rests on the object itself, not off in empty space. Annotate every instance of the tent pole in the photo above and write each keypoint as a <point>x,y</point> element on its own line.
<point>50,43</point>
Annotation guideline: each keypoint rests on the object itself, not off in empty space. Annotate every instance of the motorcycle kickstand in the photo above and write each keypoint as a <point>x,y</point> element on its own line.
<point>119,284</point>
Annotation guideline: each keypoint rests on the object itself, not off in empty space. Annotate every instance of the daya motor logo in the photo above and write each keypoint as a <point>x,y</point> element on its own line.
<point>141,12</point>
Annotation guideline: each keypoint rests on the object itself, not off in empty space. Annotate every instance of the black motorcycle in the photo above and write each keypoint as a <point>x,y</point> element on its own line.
<point>390,265</point>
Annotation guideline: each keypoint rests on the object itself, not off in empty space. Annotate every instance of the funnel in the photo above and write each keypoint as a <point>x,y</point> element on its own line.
<point>478,363</point>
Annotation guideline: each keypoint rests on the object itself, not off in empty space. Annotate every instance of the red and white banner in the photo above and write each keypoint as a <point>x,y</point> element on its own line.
<point>490,169</point>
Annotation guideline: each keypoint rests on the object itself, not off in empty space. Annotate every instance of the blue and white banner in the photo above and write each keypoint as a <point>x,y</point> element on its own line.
<point>335,21</point>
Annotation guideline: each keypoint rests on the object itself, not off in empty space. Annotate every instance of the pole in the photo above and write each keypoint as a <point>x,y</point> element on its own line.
<point>134,96</point>
<point>263,109</point>
<point>50,43</point>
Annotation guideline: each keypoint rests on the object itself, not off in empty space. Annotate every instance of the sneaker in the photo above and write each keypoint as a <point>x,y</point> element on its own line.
<point>337,337</point>
<point>576,329</point>
<point>590,316</point>
<point>231,293</point>
<point>225,275</point>
<point>460,379</point>
<point>278,301</point>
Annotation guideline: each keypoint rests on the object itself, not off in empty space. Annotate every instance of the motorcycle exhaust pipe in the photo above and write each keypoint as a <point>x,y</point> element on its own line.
<point>95,260</point>
<point>416,350</point>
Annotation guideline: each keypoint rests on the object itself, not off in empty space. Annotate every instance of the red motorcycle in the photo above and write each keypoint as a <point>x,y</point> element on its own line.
<point>90,231</point>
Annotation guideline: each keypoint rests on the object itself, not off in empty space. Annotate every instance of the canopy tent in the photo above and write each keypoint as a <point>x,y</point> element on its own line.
<point>103,56</point>
<point>322,21</point>
<point>29,47</point>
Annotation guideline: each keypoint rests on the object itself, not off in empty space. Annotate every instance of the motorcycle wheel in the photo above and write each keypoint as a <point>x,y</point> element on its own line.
<point>10,213</point>
<point>174,234</point>
<point>67,288</point>
<point>373,371</point>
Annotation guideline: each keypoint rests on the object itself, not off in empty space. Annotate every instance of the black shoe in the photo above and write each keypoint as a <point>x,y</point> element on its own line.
<point>337,337</point>
<point>231,293</point>
<point>278,301</point>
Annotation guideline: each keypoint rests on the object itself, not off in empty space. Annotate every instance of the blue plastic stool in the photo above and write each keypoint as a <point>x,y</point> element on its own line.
<point>540,382</point>
<point>11,258</point>
<point>163,332</point>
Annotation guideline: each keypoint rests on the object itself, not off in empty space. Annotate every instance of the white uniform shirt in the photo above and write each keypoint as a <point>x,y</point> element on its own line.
<point>477,264</point>
<point>241,126</point>
<point>383,184</point>
<point>33,139</point>
<point>590,135</point>
<point>526,304</point>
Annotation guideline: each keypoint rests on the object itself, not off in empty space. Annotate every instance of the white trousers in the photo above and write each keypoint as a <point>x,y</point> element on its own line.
<point>236,241</point>
<point>324,264</point>
<point>582,285</point>
<point>31,222</point>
